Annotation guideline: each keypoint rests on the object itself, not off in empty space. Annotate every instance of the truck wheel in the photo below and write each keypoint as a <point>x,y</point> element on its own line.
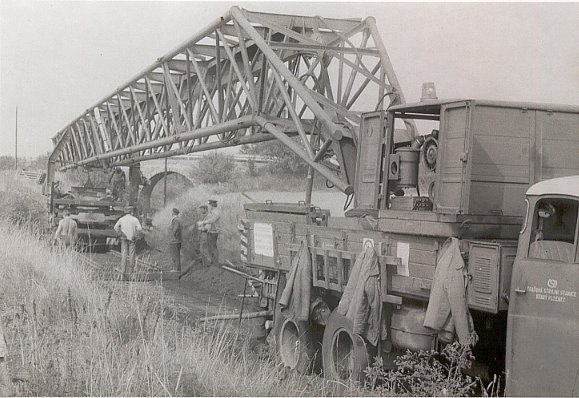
<point>297,346</point>
<point>345,354</point>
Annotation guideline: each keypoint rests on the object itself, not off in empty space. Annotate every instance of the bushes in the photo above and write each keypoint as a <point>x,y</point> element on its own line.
<point>425,373</point>
<point>21,203</point>
<point>284,161</point>
<point>215,167</point>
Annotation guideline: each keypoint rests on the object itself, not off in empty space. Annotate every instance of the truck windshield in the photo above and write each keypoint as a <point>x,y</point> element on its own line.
<point>554,230</point>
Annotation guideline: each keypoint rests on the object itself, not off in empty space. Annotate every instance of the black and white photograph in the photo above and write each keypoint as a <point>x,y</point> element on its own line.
<point>287,198</point>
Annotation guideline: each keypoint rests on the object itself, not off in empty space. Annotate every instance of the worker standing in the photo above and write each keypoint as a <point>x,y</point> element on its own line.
<point>213,225</point>
<point>175,240</point>
<point>67,231</point>
<point>6,388</point>
<point>118,181</point>
<point>129,228</point>
<point>203,248</point>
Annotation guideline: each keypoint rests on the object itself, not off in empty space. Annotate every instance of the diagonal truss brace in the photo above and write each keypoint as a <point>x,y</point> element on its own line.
<point>246,78</point>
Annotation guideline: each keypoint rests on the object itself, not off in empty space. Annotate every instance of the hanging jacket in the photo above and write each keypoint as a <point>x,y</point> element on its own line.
<point>296,296</point>
<point>448,306</point>
<point>361,301</point>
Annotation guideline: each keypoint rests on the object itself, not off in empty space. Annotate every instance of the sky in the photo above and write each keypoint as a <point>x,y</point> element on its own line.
<point>59,58</point>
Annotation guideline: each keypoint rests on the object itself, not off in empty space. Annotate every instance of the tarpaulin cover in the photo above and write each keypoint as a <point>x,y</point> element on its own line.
<point>295,298</point>
<point>448,306</point>
<point>361,301</point>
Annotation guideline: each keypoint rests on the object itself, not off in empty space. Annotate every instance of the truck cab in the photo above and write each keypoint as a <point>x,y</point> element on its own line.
<point>542,355</point>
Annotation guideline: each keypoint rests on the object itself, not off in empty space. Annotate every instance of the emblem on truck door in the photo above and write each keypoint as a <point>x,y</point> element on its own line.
<point>552,283</point>
<point>368,242</point>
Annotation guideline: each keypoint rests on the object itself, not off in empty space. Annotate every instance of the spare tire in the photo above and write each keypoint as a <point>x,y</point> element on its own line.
<point>345,355</point>
<point>297,346</point>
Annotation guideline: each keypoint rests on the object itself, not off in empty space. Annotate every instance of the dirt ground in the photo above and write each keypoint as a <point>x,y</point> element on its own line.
<point>203,291</point>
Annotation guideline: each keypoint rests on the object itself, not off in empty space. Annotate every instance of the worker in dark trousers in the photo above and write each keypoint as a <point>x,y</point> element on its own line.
<point>213,225</point>
<point>203,248</point>
<point>129,229</point>
<point>175,240</point>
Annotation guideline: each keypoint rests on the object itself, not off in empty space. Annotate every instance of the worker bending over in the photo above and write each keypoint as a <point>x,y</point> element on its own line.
<point>129,229</point>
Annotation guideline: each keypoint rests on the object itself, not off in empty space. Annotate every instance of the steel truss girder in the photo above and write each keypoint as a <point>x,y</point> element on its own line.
<point>248,77</point>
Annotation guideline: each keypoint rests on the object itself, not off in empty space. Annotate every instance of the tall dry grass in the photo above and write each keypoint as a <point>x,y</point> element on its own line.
<point>70,333</point>
<point>76,336</point>
<point>21,201</point>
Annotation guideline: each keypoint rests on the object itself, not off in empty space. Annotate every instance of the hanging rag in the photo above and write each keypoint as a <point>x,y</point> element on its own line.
<point>448,306</point>
<point>295,298</point>
<point>361,301</point>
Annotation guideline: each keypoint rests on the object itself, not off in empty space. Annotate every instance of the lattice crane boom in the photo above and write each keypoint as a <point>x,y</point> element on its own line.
<point>248,77</point>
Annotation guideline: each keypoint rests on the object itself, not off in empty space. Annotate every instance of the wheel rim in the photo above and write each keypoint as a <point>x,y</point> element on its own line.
<point>343,354</point>
<point>289,344</point>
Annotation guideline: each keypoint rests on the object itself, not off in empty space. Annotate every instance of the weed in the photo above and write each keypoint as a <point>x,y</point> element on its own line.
<point>425,373</point>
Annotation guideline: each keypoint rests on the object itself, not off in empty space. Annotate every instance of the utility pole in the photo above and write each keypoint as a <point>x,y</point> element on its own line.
<point>165,185</point>
<point>16,143</point>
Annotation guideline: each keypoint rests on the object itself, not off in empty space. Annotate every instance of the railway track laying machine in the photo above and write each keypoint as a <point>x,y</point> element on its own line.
<point>462,219</point>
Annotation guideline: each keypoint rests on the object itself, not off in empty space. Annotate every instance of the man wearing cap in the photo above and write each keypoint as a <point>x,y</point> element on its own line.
<point>67,231</point>
<point>203,249</point>
<point>129,229</point>
<point>213,225</point>
<point>175,233</point>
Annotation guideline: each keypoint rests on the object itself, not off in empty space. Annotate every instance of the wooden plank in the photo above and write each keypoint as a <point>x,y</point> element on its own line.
<point>314,266</point>
<point>340,270</point>
<point>426,257</point>
<point>421,270</point>
<point>326,269</point>
<point>410,286</point>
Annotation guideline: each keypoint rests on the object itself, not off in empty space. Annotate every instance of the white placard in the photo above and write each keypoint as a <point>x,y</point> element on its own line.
<point>367,242</point>
<point>403,252</point>
<point>90,217</point>
<point>263,239</point>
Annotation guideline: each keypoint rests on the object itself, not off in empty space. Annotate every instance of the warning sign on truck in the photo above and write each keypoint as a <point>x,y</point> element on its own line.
<point>263,239</point>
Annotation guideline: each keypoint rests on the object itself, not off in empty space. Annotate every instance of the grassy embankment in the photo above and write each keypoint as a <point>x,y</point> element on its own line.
<point>73,335</point>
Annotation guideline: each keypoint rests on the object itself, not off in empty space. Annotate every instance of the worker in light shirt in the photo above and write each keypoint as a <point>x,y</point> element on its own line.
<point>212,224</point>
<point>129,229</point>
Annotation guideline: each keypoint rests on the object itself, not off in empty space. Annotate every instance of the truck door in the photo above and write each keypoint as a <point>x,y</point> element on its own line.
<point>542,355</point>
<point>369,161</point>
<point>452,180</point>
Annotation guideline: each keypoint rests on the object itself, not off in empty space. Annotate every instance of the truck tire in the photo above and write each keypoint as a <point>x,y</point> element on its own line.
<point>297,346</point>
<point>345,355</point>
